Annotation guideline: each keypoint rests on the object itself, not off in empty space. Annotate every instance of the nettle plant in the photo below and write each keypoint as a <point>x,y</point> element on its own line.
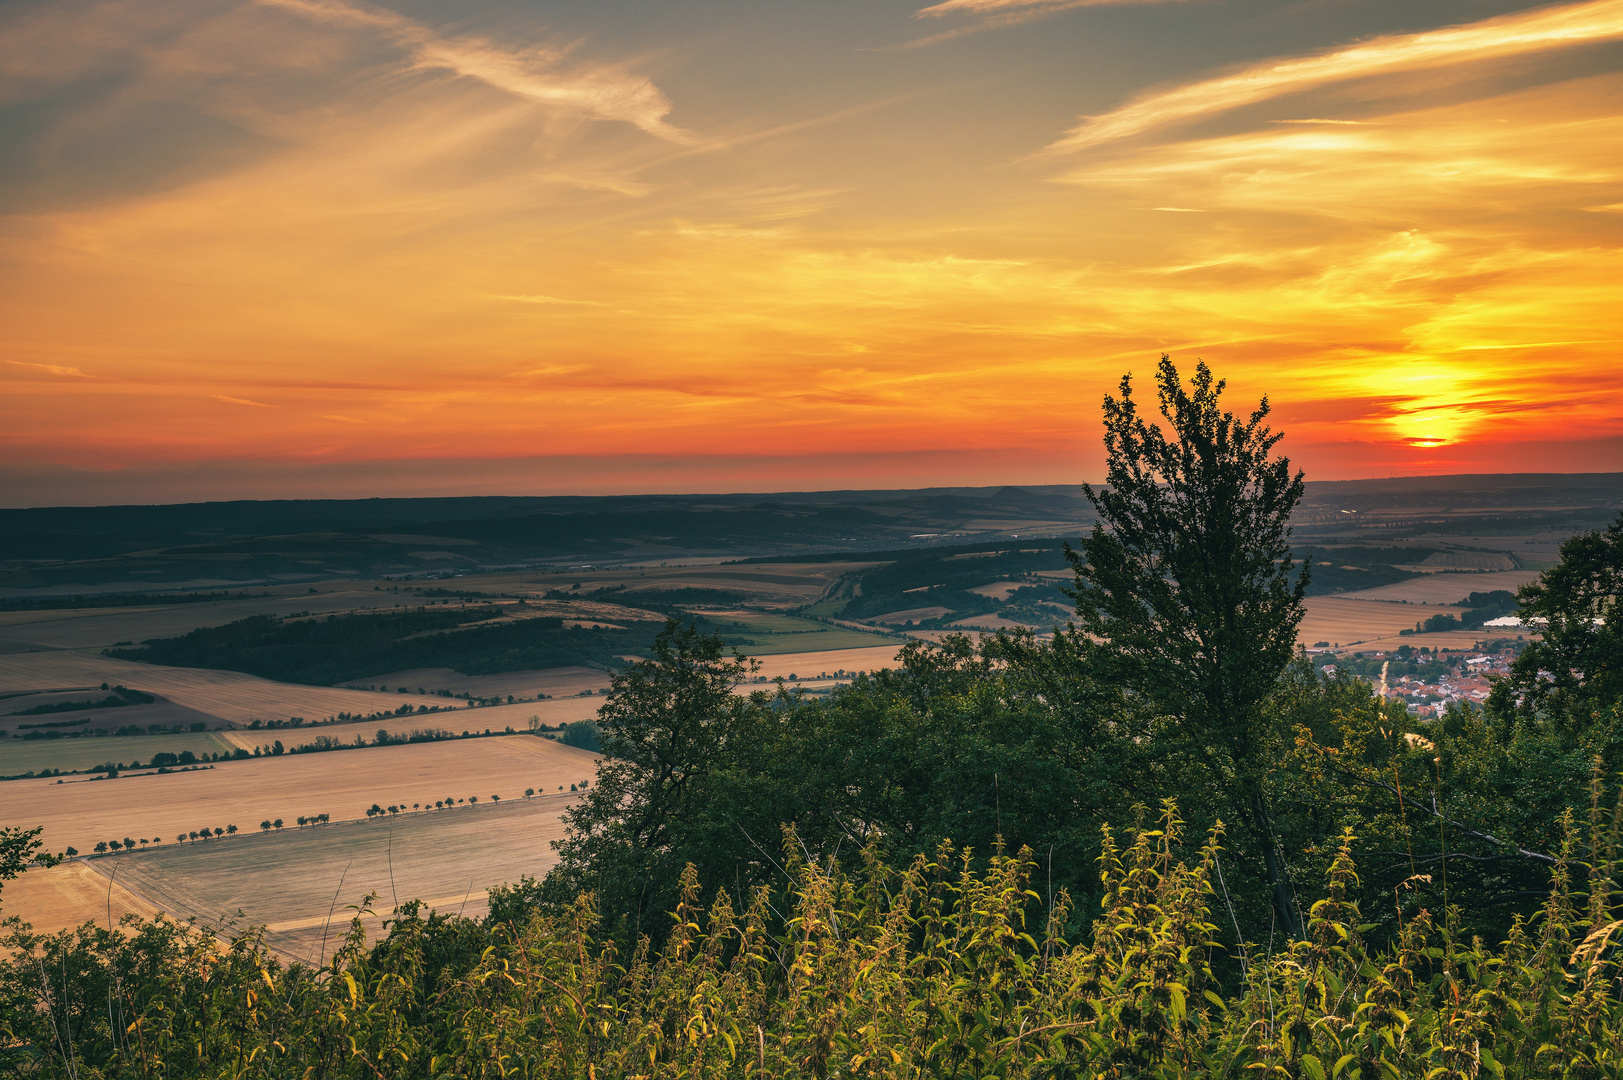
<point>950,966</point>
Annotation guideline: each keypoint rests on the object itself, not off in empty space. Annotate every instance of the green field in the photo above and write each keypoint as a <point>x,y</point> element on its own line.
<point>773,635</point>
<point>88,751</point>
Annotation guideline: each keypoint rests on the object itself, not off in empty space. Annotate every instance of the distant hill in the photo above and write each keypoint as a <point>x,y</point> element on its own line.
<point>106,549</point>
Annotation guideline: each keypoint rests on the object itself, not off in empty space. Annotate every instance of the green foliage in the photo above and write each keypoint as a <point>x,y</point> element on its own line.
<point>584,734</point>
<point>1340,569</point>
<point>338,648</point>
<point>942,579</point>
<point>119,697</point>
<point>1185,596</point>
<point>1574,671</point>
<point>18,848</point>
<point>929,968</point>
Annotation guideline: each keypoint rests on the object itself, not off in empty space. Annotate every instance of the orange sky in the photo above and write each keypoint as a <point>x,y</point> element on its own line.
<point>329,248</point>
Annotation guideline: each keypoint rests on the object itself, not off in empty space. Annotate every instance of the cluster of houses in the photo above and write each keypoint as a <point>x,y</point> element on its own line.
<point>1464,677</point>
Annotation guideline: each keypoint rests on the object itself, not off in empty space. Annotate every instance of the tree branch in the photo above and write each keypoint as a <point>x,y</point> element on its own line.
<point>1476,834</point>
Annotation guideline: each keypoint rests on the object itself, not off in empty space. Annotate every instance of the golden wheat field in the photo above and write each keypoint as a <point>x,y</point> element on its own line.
<point>295,881</point>
<point>1343,621</point>
<point>229,695</point>
<point>1437,589</point>
<point>80,812</point>
<point>59,897</point>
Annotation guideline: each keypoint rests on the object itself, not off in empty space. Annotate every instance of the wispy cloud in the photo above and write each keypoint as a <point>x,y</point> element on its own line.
<point>1014,10</point>
<point>540,75</point>
<point>996,14</point>
<point>54,369</point>
<point>229,400</point>
<point>543,299</point>
<point>1545,28</point>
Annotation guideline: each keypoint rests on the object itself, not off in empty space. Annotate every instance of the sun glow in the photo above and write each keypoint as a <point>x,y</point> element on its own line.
<point>371,243</point>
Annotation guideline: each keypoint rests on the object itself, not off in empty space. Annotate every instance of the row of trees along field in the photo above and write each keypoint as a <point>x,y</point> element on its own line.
<point>1156,845</point>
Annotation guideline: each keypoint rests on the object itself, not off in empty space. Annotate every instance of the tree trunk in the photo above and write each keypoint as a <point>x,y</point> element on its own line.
<point>1284,898</point>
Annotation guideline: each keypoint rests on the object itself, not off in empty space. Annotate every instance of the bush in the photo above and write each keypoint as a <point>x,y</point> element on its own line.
<point>584,734</point>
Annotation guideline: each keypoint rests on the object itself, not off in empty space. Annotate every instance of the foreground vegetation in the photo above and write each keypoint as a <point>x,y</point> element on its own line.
<point>932,969</point>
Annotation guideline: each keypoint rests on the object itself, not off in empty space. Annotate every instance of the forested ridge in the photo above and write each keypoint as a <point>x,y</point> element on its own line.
<point>1155,844</point>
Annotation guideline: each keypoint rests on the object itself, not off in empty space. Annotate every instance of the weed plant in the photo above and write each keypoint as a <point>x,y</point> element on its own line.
<point>946,967</point>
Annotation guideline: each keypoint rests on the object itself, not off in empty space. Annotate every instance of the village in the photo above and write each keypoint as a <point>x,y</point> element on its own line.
<point>1428,681</point>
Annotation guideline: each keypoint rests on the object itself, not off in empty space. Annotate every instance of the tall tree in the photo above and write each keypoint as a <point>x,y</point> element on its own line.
<point>669,723</point>
<point>1185,589</point>
<point>1573,671</point>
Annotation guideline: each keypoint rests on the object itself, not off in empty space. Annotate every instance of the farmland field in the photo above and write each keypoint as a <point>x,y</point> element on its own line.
<point>1344,621</point>
<point>289,881</point>
<point>242,793</point>
<point>229,695</point>
<point>811,665</point>
<point>60,897</point>
<point>768,635</point>
<point>87,752</point>
<point>558,682</point>
<point>96,628</point>
<point>1446,588</point>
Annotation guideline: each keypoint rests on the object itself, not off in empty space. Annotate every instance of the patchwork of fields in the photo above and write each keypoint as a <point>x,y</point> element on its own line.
<point>80,812</point>
<point>818,621</point>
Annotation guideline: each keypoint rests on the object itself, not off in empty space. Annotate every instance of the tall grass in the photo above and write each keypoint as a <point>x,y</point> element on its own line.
<point>948,966</point>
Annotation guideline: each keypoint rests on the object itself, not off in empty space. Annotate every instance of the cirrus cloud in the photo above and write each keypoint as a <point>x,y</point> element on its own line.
<point>539,75</point>
<point>1506,35</point>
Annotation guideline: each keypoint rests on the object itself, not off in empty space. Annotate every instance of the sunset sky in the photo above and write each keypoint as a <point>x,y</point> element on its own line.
<point>333,248</point>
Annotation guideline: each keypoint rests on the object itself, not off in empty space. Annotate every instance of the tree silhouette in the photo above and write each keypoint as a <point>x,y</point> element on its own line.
<point>192,834</point>
<point>1184,590</point>
<point>264,826</point>
<point>529,791</point>
<point>231,830</point>
<point>277,824</point>
<point>101,847</point>
<point>218,832</point>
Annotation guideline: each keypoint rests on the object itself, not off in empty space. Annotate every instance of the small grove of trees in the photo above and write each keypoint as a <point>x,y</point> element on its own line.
<point>212,832</point>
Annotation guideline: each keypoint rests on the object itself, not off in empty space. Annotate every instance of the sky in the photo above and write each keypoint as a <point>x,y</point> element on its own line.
<point>339,248</point>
